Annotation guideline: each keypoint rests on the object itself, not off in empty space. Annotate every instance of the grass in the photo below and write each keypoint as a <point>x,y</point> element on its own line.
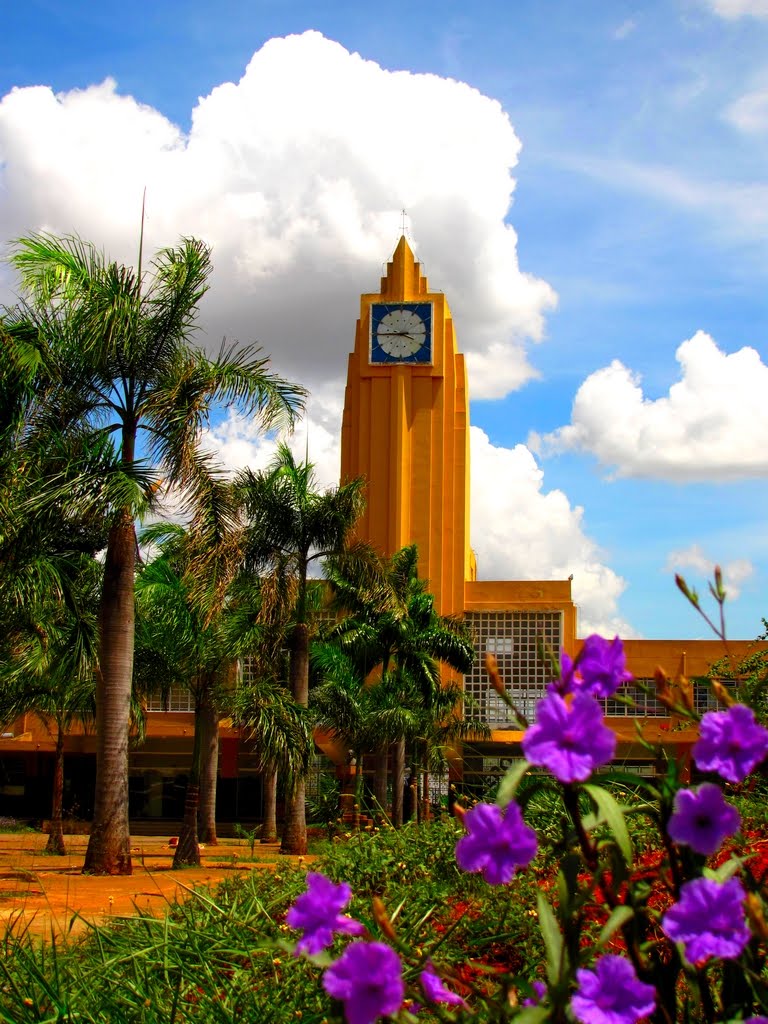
<point>224,956</point>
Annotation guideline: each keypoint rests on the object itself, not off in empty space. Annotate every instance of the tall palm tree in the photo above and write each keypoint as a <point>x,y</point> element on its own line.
<point>115,348</point>
<point>291,526</point>
<point>176,633</point>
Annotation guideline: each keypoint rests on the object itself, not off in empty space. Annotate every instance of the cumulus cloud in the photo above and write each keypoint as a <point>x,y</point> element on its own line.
<point>712,425</point>
<point>296,175</point>
<point>732,9</point>
<point>519,531</point>
<point>522,532</point>
<point>749,113</point>
<point>734,573</point>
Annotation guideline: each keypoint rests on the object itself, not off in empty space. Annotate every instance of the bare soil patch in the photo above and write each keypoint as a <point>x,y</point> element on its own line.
<point>43,893</point>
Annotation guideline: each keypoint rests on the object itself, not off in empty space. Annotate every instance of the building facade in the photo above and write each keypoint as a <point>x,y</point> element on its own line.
<point>406,433</point>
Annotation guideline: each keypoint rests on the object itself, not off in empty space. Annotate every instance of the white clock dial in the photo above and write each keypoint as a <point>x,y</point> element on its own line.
<point>401,333</point>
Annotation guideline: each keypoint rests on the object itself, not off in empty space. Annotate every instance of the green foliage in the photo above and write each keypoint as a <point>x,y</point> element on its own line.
<point>378,860</point>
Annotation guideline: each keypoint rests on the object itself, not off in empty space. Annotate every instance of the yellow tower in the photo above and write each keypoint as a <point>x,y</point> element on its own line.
<point>406,428</point>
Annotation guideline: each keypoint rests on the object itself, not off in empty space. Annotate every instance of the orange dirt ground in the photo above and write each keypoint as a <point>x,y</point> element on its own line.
<point>41,892</point>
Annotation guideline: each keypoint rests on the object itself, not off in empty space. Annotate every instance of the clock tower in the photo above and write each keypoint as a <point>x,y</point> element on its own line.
<point>406,428</point>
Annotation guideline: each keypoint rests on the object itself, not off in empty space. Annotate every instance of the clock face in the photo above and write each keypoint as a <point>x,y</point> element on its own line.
<point>401,333</point>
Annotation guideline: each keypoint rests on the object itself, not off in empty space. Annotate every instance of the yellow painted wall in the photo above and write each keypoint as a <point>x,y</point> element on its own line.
<point>406,432</point>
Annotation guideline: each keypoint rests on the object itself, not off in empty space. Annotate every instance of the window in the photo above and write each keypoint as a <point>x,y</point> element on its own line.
<point>178,698</point>
<point>515,638</point>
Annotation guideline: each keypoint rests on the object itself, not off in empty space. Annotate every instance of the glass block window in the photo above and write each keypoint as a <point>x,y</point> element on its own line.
<point>514,638</point>
<point>644,705</point>
<point>248,671</point>
<point>178,698</point>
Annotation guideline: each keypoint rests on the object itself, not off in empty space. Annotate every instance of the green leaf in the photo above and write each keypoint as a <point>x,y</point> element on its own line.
<point>631,782</point>
<point>619,916</point>
<point>553,939</point>
<point>509,784</point>
<point>614,816</point>
<point>726,870</point>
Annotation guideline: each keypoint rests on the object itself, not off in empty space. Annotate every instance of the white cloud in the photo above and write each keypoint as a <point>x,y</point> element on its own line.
<point>713,424</point>
<point>739,209</point>
<point>734,573</point>
<point>296,175</point>
<point>520,531</point>
<point>749,113</point>
<point>732,9</point>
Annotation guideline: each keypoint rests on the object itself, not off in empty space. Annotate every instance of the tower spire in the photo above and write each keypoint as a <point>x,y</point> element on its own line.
<point>404,280</point>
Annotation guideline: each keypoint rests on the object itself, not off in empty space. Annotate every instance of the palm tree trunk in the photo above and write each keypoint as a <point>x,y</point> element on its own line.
<point>109,847</point>
<point>209,728</point>
<point>398,783</point>
<point>55,842</point>
<point>427,806</point>
<point>188,848</point>
<point>269,828</point>
<point>380,768</point>
<point>295,829</point>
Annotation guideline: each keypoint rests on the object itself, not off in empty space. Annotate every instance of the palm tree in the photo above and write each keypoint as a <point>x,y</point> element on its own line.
<point>48,668</point>
<point>114,346</point>
<point>399,630</point>
<point>290,526</point>
<point>367,715</point>
<point>175,632</point>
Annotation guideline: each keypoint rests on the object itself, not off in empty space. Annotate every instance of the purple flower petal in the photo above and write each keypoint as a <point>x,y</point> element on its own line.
<point>317,913</point>
<point>703,818</point>
<point>498,842</point>
<point>708,919</point>
<point>730,743</point>
<point>368,979</point>
<point>539,991</point>
<point>602,666</point>
<point>570,740</point>
<point>612,993</point>
<point>435,990</point>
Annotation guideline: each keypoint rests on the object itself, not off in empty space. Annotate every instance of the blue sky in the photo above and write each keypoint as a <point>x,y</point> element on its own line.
<point>640,201</point>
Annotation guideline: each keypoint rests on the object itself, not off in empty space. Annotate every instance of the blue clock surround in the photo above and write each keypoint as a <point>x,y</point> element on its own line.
<point>423,310</point>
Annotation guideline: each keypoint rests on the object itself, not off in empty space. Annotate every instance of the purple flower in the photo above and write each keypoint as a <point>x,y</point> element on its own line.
<point>317,913</point>
<point>703,818</point>
<point>539,991</point>
<point>708,919</point>
<point>498,842</point>
<point>602,666</point>
<point>570,740</point>
<point>612,993</point>
<point>435,990</point>
<point>730,743</point>
<point>756,1020</point>
<point>368,979</point>
<point>568,680</point>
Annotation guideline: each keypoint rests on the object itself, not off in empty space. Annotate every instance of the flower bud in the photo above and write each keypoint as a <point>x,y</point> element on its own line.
<point>755,915</point>
<point>722,694</point>
<point>381,917</point>
<point>686,691</point>
<point>663,691</point>
<point>683,587</point>
<point>492,668</point>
